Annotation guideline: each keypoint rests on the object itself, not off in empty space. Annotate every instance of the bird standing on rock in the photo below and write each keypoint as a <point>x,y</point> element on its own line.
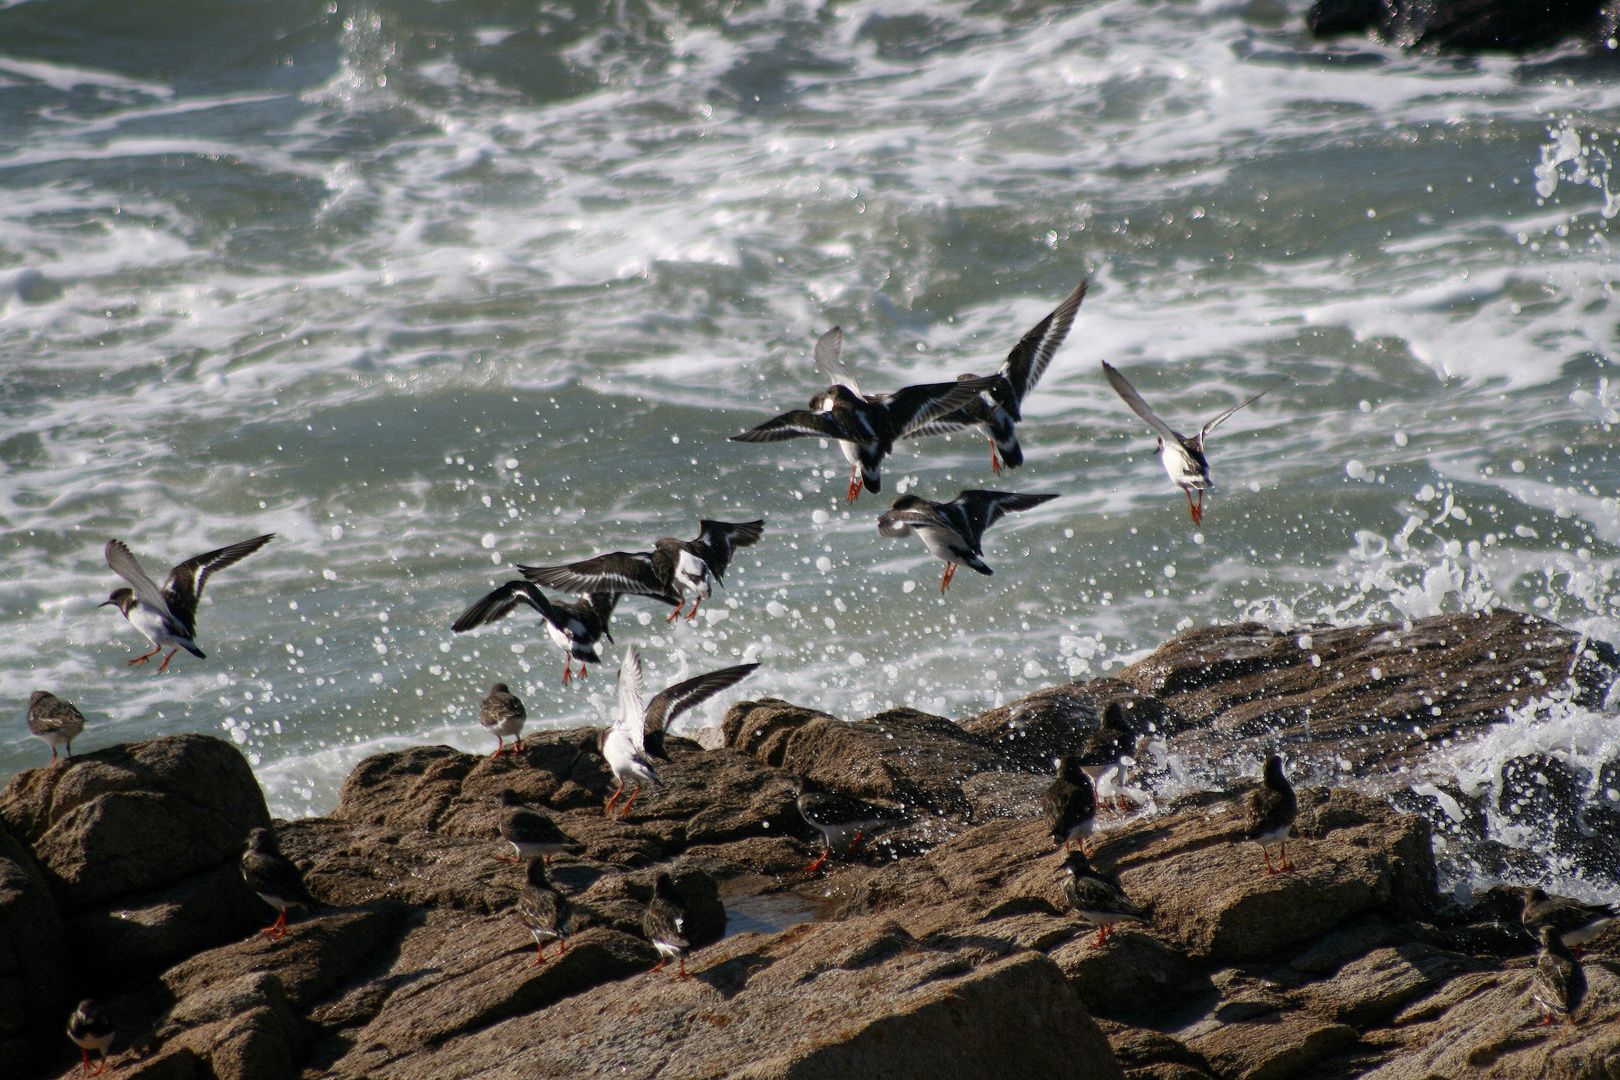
<point>1069,806</point>
<point>1576,922</point>
<point>1183,458</point>
<point>168,616</point>
<point>544,911</point>
<point>532,834</point>
<point>577,627</point>
<point>954,530</point>
<point>54,720</point>
<point>1095,898</point>
<point>276,879</point>
<point>1559,983</point>
<point>836,815</point>
<point>1272,810</point>
<point>664,923</point>
<point>91,1029</point>
<point>866,427</point>
<point>501,713</point>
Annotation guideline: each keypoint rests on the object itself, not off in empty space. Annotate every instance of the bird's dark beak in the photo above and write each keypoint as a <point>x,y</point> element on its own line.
<point>104,603</point>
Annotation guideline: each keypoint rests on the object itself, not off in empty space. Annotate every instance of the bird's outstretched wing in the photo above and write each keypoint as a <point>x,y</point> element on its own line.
<point>1027,361</point>
<point>984,508</point>
<point>499,603</point>
<point>1125,390</point>
<point>124,565</point>
<point>185,583</point>
<point>669,703</point>
<point>615,572</point>
<point>913,407</point>
<point>1213,424</point>
<point>631,717</point>
<point>829,350</point>
<point>798,424</point>
<point>720,538</point>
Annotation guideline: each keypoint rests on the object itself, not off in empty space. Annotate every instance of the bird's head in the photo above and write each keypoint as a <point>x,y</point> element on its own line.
<point>123,599</point>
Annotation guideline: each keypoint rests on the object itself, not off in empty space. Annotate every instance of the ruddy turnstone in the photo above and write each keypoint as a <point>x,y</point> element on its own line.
<point>999,408</point>
<point>1559,983</point>
<point>1576,922</point>
<point>637,734</point>
<point>836,815</point>
<point>667,573</point>
<point>1183,458</point>
<point>577,627</point>
<point>168,616</point>
<point>274,877</point>
<point>531,833</point>
<point>91,1029</point>
<point>544,911</point>
<point>1095,898</point>
<point>866,426</point>
<point>954,530</point>
<point>1272,810</point>
<point>664,923</point>
<point>501,714</point>
<point>54,720</point>
<point>1069,806</point>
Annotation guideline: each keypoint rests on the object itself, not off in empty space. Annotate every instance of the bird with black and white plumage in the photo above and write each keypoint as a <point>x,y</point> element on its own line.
<point>54,720</point>
<point>543,911</point>
<point>866,426</point>
<point>1559,983</point>
<point>167,616</point>
<point>841,819</point>
<point>532,834</point>
<point>1069,806</point>
<point>664,923</point>
<point>502,714</point>
<point>1097,899</point>
<point>276,879</point>
<point>667,573</point>
<point>91,1028</point>
<point>637,734</point>
<point>577,627</point>
<point>1575,921</point>
<point>1272,810</point>
<point>1183,458</point>
<point>1000,408</point>
<point>954,530</point>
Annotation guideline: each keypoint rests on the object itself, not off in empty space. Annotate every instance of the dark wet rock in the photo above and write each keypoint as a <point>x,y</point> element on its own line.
<point>993,795</point>
<point>1138,1050</point>
<point>35,984</point>
<point>1131,975</point>
<point>134,817</point>
<point>1467,26</point>
<point>1096,721</point>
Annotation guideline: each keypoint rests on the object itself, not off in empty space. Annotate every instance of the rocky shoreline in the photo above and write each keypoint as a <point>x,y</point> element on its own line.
<point>943,949</point>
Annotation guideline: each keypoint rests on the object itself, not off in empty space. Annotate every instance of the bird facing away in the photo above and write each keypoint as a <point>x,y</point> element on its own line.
<point>54,720</point>
<point>866,427</point>
<point>664,923</point>
<point>274,877</point>
<point>1069,806</point>
<point>1095,898</point>
<point>837,815</point>
<point>954,530</point>
<point>577,627</point>
<point>544,911</point>
<point>1559,983</point>
<point>168,616</point>
<point>501,714</point>
<point>667,573</point>
<point>637,734</point>
<point>1576,922</point>
<point>999,409</point>
<point>1183,458</point>
<point>532,834</point>
<point>91,1029</point>
<point>1272,810</point>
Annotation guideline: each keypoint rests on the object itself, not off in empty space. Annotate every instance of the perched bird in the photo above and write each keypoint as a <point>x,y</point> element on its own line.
<point>954,530</point>
<point>836,815</point>
<point>1272,810</point>
<point>999,408</point>
<point>168,616</point>
<point>502,714</point>
<point>54,720</point>
<point>664,923</point>
<point>576,626</point>
<point>544,911</point>
<point>91,1029</point>
<point>866,426</point>
<point>1183,458</point>
<point>531,833</point>
<point>637,734</point>
<point>1069,806</point>
<point>274,877</point>
<point>1558,984</point>
<point>1576,922</point>
<point>667,573</point>
<point>1095,898</point>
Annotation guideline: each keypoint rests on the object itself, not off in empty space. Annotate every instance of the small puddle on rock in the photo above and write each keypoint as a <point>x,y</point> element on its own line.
<point>771,913</point>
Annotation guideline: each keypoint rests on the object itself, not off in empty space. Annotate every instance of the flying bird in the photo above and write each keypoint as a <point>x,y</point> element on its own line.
<point>1183,458</point>
<point>54,720</point>
<point>666,573</point>
<point>577,627</point>
<point>866,427</point>
<point>168,616</point>
<point>954,530</point>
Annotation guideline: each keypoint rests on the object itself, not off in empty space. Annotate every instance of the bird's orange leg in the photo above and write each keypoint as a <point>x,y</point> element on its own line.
<point>690,615</point>
<point>538,960</point>
<point>625,809</point>
<point>813,867</point>
<point>1287,866</point>
<point>995,462</point>
<point>568,668</point>
<point>165,665</point>
<point>683,974</point>
<point>660,965</point>
<point>950,572</point>
<point>674,614</point>
<point>608,809</point>
<point>276,929</point>
<point>144,657</point>
<point>854,482</point>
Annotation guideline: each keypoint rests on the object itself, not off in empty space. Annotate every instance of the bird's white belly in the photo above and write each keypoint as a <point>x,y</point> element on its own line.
<point>151,624</point>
